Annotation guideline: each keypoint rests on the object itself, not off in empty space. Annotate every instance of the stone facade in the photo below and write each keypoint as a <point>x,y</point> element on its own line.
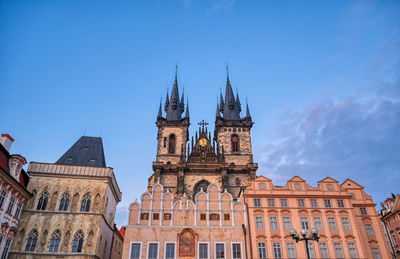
<point>163,227</point>
<point>390,216</point>
<point>343,214</point>
<point>58,226</point>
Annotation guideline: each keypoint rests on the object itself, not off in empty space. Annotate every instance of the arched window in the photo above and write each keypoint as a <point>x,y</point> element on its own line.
<point>78,242</point>
<point>43,201</point>
<point>171,146</point>
<point>32,240</point>
<point>235,143</point>
<point>64,202</point>
<point>55,241</point>
<point>85,205</point>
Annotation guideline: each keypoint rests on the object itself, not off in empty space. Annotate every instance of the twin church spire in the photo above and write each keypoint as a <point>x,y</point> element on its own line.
<point>230,107</point>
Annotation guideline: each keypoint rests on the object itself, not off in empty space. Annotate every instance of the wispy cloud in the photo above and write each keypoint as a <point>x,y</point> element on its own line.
<point>356,136</point>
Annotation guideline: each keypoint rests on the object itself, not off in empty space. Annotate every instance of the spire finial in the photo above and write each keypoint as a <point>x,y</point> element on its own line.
<point>187,108</point>
<point>159,109</point>
<point>227,72</point>
<point>247,110</point>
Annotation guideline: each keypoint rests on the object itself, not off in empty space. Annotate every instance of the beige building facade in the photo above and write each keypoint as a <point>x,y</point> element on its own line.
<point>343,214</point>
<point>210,226</point>
<point>72,211</point>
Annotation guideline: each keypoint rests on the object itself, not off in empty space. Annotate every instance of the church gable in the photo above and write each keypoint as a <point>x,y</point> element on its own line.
<point>203,148</point>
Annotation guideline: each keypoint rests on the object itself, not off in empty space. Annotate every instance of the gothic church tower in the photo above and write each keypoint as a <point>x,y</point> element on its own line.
<point>225,158</point>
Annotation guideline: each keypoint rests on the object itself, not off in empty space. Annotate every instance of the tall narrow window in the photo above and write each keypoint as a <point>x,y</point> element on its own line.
<point>219,251</point>
<point>327,203</point>
<point>43,201</point>
<point>11,205</point>
<point>352,250</point>
<point>277,250</point>
<point>311,249</point>
<point>304,223</point>
<point>203,251</point>
<point>375,253</point>
<point>284,203</point>
<point>135,251</point>
<point>262,250</point>
<point>314,203</point>
<point>346,223</point>
<point>323,250</point>
<point>369,229</point>
<point>257,202</point>
<point>6,248</point>
<point>78,242</point>
<point>171,144</point>
<point>235,143</point>
<point>32,240</point>
<point>259,223</point>
<point>153,251</point>
<point>273,222</point>
<point>18,210</point>
<point>317,223</point>
<point>332,223</point>
<point>64,202</point>
<point>291,250</point>
<point>236,251</point>
<point>301,203</point>
<point>338,250</point>
<point>85,204</point>
<point>271,202</point>
<point>55,241</point>
<point>287,223</point>
<point>2,197</point>
<point>170,251</point>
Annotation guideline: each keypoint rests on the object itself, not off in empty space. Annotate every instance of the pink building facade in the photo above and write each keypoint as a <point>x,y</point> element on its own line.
<point>13,193</point>
<point>390,216</point>
<point>343,214</point>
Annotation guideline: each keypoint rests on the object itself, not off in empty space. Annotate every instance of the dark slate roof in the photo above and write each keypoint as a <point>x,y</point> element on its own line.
<point>87,151</point>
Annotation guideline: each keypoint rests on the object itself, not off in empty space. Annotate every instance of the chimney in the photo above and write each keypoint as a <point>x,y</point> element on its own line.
<point>6,140</point>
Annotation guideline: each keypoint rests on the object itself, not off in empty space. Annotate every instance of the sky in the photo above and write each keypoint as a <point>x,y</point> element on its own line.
<point>322,80</point>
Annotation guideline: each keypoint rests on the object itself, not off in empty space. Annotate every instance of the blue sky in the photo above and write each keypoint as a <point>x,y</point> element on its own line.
<point>321,78</point>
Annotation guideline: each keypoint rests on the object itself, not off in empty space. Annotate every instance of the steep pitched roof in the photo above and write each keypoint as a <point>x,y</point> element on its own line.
<point>87,151</point>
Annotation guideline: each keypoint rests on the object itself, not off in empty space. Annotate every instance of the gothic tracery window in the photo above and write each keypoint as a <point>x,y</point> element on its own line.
<point>235,143</point>
<point>43,201</point>
<point>171,146</point>
<point>32,240</point>
<point>64,202</point>
<point>85,205</point>
<point>55,241</point>
<point>78,242</point>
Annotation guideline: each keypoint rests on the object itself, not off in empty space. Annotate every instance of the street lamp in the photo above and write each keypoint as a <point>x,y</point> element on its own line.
<point>314,236</point>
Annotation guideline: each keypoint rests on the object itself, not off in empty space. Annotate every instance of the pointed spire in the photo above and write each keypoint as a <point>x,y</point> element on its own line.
<point>166,102</point>
<point>221,101</point>
<point>182,106</point>
<point>187,108</point>
<point>247,110</point>
<point>239,105</point>
<point>231,111</point>
<point>217,113</point>
<point>174,110</point>
<point>160,110</point>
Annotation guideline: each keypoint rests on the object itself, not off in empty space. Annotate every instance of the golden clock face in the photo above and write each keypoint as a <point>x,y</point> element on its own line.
<point>203,142</point>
